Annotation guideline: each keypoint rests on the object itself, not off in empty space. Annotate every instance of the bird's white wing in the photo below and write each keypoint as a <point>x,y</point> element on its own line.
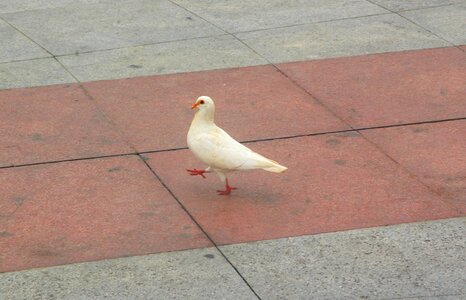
<point>220,151</point>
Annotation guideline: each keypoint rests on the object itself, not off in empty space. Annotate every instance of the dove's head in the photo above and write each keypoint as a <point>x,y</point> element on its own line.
<point>204,103</point>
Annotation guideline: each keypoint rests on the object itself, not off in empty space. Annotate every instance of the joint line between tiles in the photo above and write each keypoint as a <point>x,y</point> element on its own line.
<point>398,13</point>
<point>416,297</point>
<point>313,23</point>
<point>113,124</point>
<point>445,198</point>
<point>65,160</point>
<point>197,224</point>
<point>245,142</point>
<point>292,81</point>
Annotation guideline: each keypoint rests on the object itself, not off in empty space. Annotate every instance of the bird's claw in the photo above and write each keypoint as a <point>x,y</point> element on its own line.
<point>227,191</point>
<point>195,172</point>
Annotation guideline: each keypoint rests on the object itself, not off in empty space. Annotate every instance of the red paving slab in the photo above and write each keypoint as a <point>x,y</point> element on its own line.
<point>436,153</point>
<point>389,88</point>
<point>155,112</point>
<point>53,123</point>
<point>335,182</point>
<point>88,210</point>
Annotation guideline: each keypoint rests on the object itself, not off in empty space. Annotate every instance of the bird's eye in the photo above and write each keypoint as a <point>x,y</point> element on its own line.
<point>202,101</point>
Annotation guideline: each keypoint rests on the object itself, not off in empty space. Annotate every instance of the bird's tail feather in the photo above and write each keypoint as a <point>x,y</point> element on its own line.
<point>275,167</point>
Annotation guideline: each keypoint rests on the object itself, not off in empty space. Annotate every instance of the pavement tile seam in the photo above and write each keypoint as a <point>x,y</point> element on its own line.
<point>317,92</point>
<point>423,297</point>
<point>445,198</point>
<point>409,9</point>
<point>449,35</point>
<point>110,120</point>
<point>40,72</point>
<point>142,45</point>
<point>160,180</point>
<point>341,118</point>
<point>294,82</point>
<point>197,15</point>
<point>432,151</point>
<point>65,160</point>
<point>245,142</point>
<point>310,23</point>
<point>426,29</point>
<point>41,6</point>
<point>139,185</point>
<point>22,60</point>
<point>51,55</point>
<point>348,231</point>
<point>433,6</point>
<point>277,65</point>
<point>26,36</point>
<point>117,48</point>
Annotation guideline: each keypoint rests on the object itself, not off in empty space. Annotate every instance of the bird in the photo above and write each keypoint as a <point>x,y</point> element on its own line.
<point>218,150</point>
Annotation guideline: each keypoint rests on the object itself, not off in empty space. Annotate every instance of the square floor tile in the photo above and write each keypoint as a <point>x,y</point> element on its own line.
<point>434,152</point>
<point>334,182</point>
<point>236,16</point>
<point>354,36</point>
<point>53,123</point>
<point>390,88</point>
<point>210,53</point>
<point>34,72</point>
<point>88,210</point>
<point>155,113</point>
<point>109,24</point>
<point>410,261</point>
<point>445,21</point>
<point>9,6</point>
<point>191,274</point>
<point>17,47</point>
<point>400,5</point>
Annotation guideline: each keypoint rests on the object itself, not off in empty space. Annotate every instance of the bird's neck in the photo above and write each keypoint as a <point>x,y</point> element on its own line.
<point>204,117</point>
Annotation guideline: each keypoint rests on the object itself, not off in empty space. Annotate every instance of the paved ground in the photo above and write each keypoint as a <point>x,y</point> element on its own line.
<point>364,101</point>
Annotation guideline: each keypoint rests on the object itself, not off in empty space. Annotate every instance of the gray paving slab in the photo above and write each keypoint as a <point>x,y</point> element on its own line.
<point>236,16</point>
<point>192,274</point>
<point>374,34</point>
<point>15,46</point>
<point>174,57</point>
<point>400,5</point>
<point>8,6</point>
<point>449,22</point>
<point>419,260</point>
<point>36,72</point>
<point>109,24</point>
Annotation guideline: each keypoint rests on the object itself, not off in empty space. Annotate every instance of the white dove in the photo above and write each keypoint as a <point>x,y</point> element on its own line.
<point>216,148</point>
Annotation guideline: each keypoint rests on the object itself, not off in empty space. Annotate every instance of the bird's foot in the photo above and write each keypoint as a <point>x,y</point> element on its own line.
<point>195,172</point>
<point>227,191</point>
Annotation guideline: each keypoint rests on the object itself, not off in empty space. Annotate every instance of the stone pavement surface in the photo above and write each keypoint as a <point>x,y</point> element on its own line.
<point>364,101</point>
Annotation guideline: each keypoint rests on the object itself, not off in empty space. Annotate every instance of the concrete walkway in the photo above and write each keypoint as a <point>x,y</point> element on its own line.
<point>363,101</point>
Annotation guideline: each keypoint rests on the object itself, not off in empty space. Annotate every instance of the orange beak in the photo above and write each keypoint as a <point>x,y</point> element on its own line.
<point>195,105</point>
